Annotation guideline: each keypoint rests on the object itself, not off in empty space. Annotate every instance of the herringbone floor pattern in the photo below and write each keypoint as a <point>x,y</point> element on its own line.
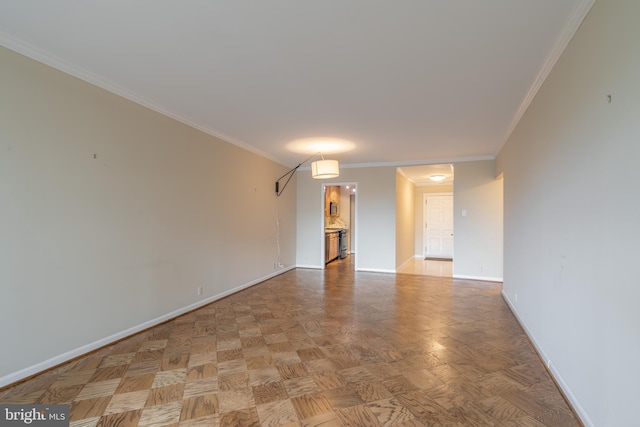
<point>318,348</point>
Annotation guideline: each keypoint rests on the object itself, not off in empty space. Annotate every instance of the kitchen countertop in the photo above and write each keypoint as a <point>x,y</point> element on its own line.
<point>333,230</point>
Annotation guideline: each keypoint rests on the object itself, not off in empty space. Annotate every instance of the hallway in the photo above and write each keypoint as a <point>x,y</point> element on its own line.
<point>427,267</point>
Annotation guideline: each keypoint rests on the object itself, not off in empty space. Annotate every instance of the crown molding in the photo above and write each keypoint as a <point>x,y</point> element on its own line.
<point>419,162</point>
<point>580,12</point>
<point>411,162</point>
<point>52,61</point>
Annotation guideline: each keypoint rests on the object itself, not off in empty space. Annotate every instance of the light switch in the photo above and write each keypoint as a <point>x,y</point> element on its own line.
<point>464,212</point>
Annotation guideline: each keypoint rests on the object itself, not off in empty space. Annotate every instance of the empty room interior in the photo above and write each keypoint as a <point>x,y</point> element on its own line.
<point>337,213</point>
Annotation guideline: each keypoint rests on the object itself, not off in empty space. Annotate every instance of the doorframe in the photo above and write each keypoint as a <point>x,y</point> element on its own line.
<point>424,220</point>
<point>354,243</point>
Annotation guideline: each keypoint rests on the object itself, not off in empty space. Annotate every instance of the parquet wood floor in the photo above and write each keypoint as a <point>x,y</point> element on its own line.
<point>318,348</point>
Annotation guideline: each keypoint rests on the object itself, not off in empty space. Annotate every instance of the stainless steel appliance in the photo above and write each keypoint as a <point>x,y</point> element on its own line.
<point>343,243</point>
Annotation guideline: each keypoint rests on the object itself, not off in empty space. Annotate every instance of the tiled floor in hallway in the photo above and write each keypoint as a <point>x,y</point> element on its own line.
<point>427,267</point>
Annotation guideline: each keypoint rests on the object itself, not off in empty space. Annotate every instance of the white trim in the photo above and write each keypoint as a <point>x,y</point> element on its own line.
<point>575,19</point>
<point>481,278</point>
<point>39,55</point>
<point>309,266</point>
<point>420,162</point>
<point>377,270</point>
<point>65,357</point>
<point>573,400</point>
<point>352,227</point>
<point>422,185</point>
<point>401,172</point>
<point>411,162</point>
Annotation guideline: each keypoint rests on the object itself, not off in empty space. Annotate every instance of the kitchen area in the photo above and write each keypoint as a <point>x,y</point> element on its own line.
<point>339,208</point>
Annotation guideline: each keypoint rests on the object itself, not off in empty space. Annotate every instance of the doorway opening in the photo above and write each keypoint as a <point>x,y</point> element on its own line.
<point>339,223</point>
<point>433,220</point>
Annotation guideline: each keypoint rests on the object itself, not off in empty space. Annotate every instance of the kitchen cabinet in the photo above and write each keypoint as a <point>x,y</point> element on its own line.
<point>332,199</point>
<point>331,246</point>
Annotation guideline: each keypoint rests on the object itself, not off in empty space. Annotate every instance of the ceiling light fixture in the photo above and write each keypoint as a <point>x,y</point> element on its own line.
<point>325,169</point>
<point>437,178</point>
<point>320,169</point>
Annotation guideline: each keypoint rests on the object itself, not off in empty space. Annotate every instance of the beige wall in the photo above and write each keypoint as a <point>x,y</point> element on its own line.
<point>405,219</point>
<point>477,245</point>
<point>113,215</point>
<point>477,237</point>
<point>572,200</point>
<point>375,243</point>
<point>377,236</point>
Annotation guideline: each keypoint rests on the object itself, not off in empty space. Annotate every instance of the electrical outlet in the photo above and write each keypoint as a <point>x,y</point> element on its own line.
<point>516,297</point>
<point>200,290</point>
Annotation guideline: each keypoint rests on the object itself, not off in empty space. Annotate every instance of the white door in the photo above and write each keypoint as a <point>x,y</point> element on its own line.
<point>438,226</point>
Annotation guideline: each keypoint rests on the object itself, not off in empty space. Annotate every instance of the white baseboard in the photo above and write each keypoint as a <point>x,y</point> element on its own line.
<point>65,357</point>
<point>482,278</point>
<point>312,267</point>
<point>571,397</point>
<point>376,270</point>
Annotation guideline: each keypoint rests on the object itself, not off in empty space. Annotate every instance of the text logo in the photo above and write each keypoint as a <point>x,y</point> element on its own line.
<point>34,415</point>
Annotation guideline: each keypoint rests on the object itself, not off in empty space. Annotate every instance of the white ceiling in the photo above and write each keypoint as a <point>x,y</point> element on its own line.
<point>408,81</point>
